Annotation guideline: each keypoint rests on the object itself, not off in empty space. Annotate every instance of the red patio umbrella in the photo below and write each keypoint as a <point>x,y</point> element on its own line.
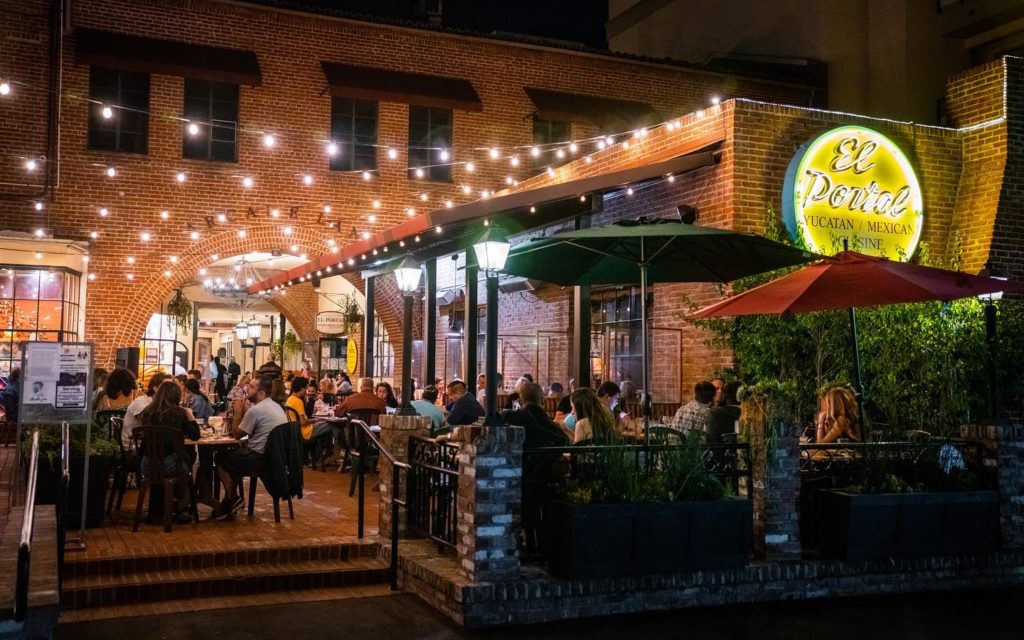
<point>849,280</point>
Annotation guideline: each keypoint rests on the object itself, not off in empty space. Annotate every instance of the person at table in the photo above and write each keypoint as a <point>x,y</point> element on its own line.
<point>119,391</point>
<point>565,407</point>
<point>427,406</point>
<point>99,383</point>
<point>259,421</point>
<point>556,390</point>
<point>481,393</point>
<point>386,393</point>
<point>238,402</point>
<point>723,417</point>
<point>328,392</point>
<point>608,393</point>
<point>279,390</point>
<point>838,417</point>
<point>365,400</point>
<point>594,421</point>
<point>541,430</point>
<point>166,411</point>
<point>719,383</point>
<point>464,408</point>
<point>270,369</point>
<point>138,405</point>
<point>195,400</point>
<point>694,415</point>
<point>297,403</point>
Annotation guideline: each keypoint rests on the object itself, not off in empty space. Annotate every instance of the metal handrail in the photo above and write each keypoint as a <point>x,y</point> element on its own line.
<point>27,526</point>
<point>396,467</point>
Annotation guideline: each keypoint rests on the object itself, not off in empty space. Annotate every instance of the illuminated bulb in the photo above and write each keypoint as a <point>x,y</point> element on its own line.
<point>39,256</point>
<point>410,212</point>
<point>111,172</point>
<point>608,140</point>
<point>130,276</point>
<point>715,100</point>
<point>30,165</point>
<point>376,204</point>
<point>366,236</point>
<point>307,179</point>
<point>560,153</point>
<point>671,178</point>
<point>678,125</point>
<point>332,149</point>
<point>165,215</point>
<point>437,229</point>
<point>514,161</point>
<point>180,177</point>
<point>629,191</point>
<point>294,248</point>
<point>417,238</point>
<point>509,179</point>
<point>194,235</point>
<point>92,276</point>
<point>203,272</point>
<point>302,256</point>
<point>215,257</point>
<point>269,140</point>
<point>494,154</point>
<point>145,237</point>
<point>470,167</point>
<point>669,126</point>
<point>588,159</point>
<point>573,148</point>
<point>423,197</point>
<point>108,113</point>
<point>583,198</point>
<point>372,218</point>
<point>551,172</point>
<point>449,204</point>
<point>287,231</point>
<point>85,258</point>
<point>40,233</point>
<point>366,175</point>
<point>533,209</point>
<point>274,213</point>
<point>484,193</point>
<point>221,218</point>
<point>247,182</point>
<point>625,145</point>
<point>193,129</point>
<point>643,133</point>
<point>401,243</point>
<point>443,155</point>
<point>330,242</point>
<point>94,234</point>
<point>351,261</point>
<point>327,208</point>
<point>466,189</point>
<point>535,152</point>
<point>385,249</point>
<point>248,282</point>
<point>601,144</point>
<point>131,259</point>
<point>173,259</point>
<point>38,205</point>
<point>392,154</point>
<point>419,173</point>
<point>487,222</point>
<point>167,274</point>
<point>104,212</point>
<point>5,88</point>
<point>700,113</point>
<point>241,233</point>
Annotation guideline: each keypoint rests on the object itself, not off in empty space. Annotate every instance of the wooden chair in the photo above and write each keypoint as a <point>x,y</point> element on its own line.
<point>295,441</point>
<point>154,449</point>
<point>122,466</point>
<point>551,406</point>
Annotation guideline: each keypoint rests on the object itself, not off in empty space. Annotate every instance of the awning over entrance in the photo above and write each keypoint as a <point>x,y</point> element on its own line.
<point>604,112</point>
<point>371,83</point>
<point>447,231</point>
<point>169,57</point>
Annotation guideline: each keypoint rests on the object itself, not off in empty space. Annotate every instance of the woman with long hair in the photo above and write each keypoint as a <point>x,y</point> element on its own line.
<point>166,411</point>
<point>838,416</point>
<point>594,422</point>
<point>197,401</point>
<point>386,393</point>
<point>119,391</point>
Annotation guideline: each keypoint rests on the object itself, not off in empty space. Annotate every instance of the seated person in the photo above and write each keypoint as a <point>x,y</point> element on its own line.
<point>131,415</point>
<point>200,405</point>
<point>724,416</point>
<point>427,406</point>
<point>166,411</point>
<point>386,393</point>
<point>594,422</point>
<point>556,390</point>
<point>297,403</point>
<point>541,431</point>
<point>259,420</point>
<point>694,415</point>
<point>365,400</point>
<point>120,390</point>
<point>838,416</point>
<point>464,407</point>
<point>608,394</point>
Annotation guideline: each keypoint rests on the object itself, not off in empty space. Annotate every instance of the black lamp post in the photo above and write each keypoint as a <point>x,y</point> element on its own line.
<point>407,275</point>
<point>491,252</point>
<point>244,331</point>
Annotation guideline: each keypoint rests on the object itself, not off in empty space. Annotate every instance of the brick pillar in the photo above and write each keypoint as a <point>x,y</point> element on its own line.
<point>1009,440</point>
<point>776,487</point>
<point>490,492</point>
<point>394,435</point>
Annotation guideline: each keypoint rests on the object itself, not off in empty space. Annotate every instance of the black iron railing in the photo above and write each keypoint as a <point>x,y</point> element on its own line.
<point>25,544</point>
<point>432,486</point>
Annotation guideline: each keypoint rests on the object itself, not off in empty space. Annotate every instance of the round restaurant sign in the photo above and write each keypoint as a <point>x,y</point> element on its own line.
<point>853,184</point>
<point>330,322</point>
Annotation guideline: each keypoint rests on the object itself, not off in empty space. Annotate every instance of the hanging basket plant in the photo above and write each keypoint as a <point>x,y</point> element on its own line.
<point>179,313</point>
<point>286,346</point>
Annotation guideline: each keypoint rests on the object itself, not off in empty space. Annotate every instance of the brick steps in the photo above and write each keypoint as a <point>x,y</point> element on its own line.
<point>220,576</point>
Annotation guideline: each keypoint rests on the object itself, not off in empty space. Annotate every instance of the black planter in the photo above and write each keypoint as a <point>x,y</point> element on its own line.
<point>48,489</point>
<point>607,540</point>
<point>892,525</point>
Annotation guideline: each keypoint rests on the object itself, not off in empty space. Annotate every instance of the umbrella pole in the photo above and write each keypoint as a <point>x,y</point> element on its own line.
<point>643,344</point>
<point>858,380</point>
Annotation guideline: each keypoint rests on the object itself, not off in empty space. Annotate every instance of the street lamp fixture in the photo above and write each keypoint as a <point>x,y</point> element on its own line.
<point>407,276</point>
<point>492,250</point>
<point>241,331</point>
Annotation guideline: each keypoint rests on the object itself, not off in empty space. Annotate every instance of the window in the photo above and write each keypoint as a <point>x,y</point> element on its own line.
<point>546,135</point>
<point>354,130</point>
<point>126,94</point>
<point>383,353</point>
<point>214,107</point>
<point>35,304</point>
<point>616,353</point>
<point>430,140</point>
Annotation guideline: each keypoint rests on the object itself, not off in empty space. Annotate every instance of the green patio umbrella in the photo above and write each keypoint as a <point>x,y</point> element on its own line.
<point>647,251</point>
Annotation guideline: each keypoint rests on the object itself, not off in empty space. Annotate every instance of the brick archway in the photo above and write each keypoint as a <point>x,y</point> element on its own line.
<point>136,303</point>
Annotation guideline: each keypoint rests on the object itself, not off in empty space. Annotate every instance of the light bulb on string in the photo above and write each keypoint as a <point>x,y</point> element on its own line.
<point>573,148</point>
<point>332,149</point>
<point>30,165</point>
<point>247,182</point>
<point>193,129</point>
<point>40,233</point>
<point>443,155</point>
<point>494,153</point>
<point>424,197</point>
<point>145,236</point>
<point>307,179</point>
<point>419,173</point>
<point>514,161</point>
<point>392,154</point>
<point>111,172</point>
<point>535,152</point>
<point>38,205</point>
<point>715,100</point>
<point>327,208</point>
<point>470,167</point>
<point>5,88</point>
<point>376,204</point>
<point>560,153</point>
<point>466,189</point>
<point>372,219</point>
<point>366,175</point>
<point>107,112</point>
<point>104,212</point>
<point>269,140</point>
<point>164,215</point>
<point>194,235</point>
<point>180,177</point>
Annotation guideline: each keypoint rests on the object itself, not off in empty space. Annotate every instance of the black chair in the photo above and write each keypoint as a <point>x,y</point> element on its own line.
<point>294,443</point>
<point>153,446</point>
<point>356,437</point>
<point>103,423</point>
<point>122,466</point>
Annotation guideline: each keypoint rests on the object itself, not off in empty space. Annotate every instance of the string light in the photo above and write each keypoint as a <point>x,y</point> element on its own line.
<point>514,161</point>
<point>30,165</point>
<point>470,167</point>
<point>108,113</point>
<point>247,182</point>
<point>94,234</point>
<point>410,212</point>
<point>165,215</point>
<point>438,230</point>
<point>448,204</point>
<point>180,177</point>
<point>40,233</point>
<point>307,179</point>
<point>222,218</point>
<point>392,154</point>
<point>275,213</point>
<point>715,100</point>
<point>535,152</point>
<point>560,153</point>
<point>194,235</point>
<point>466,189</point>
<point>372,219</point>
<point>111,172</point>
<point>130,276</point>
<point>366,175</point>
<point>376,204</point>
<point>38,205</point>
<point>145,237</point>
<point>131,260</point>
<point>327,208</point>
<point>193,129</point>
<point>39,256</point>
<point>173,259</point>
<point>287,231</point>
<point>494,153</point>
<point>443,155</point>
<point>104,212</point>
<point>241,233</point>
<point>167,274</point>
<point>215,257</point>
<point>92,276</point>
<point>332,149</point>
<point>5,88</point>
<point>419,173</point>
<point>573,148</point>
<point>424,197</point>
<point>269,140</point>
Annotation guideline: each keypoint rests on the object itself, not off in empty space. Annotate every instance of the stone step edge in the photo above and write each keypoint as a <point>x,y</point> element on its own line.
<point>224,581</point>
<point>342,550</point>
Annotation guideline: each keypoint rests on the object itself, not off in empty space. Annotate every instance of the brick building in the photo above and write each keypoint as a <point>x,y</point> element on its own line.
<point>269,90</point>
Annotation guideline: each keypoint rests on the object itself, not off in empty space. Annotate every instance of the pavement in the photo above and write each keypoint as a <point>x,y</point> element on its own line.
<point>993,615</point>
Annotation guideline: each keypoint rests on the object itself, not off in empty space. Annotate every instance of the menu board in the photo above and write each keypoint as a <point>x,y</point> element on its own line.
<point>56,382</point>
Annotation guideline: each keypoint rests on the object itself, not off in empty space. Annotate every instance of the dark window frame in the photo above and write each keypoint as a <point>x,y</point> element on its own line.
<point>428,134</point>
<point>205,107</point>
<point>351,131</point>
<point>544,136</point>
<point>128,96</point>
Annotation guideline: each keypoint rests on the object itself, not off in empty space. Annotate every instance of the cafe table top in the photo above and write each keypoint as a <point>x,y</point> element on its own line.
<point>212,441</point>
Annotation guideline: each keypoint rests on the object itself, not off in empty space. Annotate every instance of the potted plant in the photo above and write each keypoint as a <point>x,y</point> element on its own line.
<point>179,313</point>
<point>102,453</point>
<point>617,520</point>
<point>286,346</point>
<point>908,501</point>
<point>350,308</point>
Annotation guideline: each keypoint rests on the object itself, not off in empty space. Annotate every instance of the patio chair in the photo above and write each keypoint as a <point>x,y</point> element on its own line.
<point>154,448</point>
<point>122,466</point>
<point>290,436</point>
<point>355,436</point>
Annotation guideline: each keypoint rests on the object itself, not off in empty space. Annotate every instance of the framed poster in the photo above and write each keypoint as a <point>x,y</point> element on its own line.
<point>56,382</point>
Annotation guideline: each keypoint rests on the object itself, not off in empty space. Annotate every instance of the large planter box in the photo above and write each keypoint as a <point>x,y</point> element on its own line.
<point>605,540</point>
<point>891,525</point>
<point>48,489</point>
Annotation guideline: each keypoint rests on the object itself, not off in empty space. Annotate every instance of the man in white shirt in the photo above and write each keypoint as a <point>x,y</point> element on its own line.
<point>259,420</point>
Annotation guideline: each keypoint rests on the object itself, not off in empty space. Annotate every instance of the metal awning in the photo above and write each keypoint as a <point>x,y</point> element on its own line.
<point>386,85</point>
<point>447,231</point>
<point>611,113</point>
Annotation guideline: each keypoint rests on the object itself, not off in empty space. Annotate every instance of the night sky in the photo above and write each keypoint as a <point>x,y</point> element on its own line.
<point>580,21</point>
